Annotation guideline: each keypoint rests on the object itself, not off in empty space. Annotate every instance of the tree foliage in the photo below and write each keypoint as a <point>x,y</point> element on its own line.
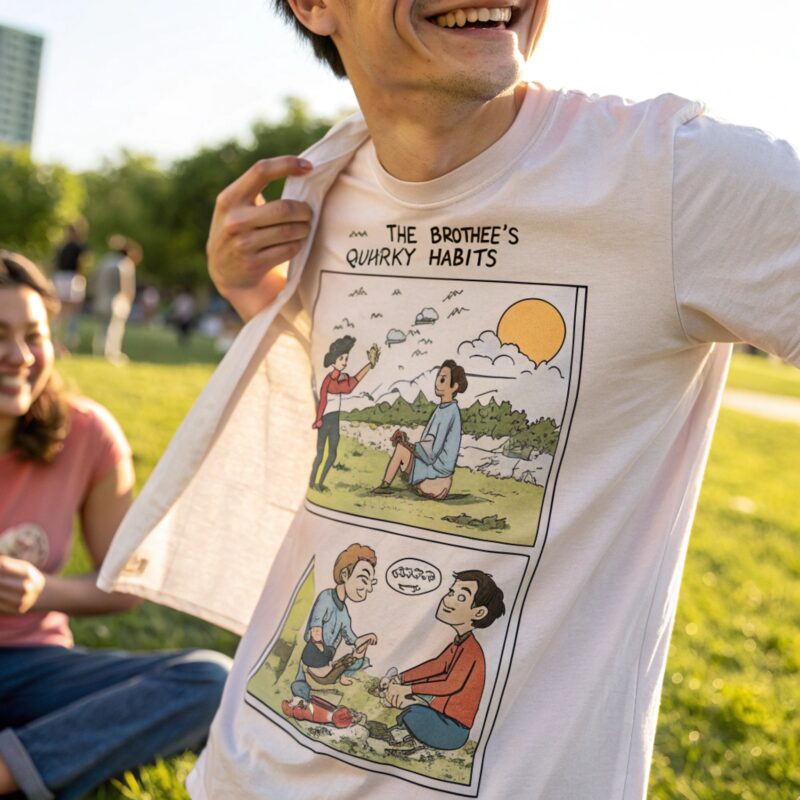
<point>36,201</point>
<point>165,208</point>
<point>497,420</point>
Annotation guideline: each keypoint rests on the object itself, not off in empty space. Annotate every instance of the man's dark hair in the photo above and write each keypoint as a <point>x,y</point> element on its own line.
<point>489,595</point>
<point>458,377</point>
<point>324,48</point>
<point>338,348</point>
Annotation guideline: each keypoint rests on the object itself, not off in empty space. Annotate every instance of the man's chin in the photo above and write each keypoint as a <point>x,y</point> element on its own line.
<point>476,87</point>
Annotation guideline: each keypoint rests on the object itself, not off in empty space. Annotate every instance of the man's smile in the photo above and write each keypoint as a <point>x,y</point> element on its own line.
<point>481,17</point>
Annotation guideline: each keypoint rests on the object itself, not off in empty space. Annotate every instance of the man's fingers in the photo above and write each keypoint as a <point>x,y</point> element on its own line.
<point>245,189</point>
<point>261,238</point>
<point>278,212</point>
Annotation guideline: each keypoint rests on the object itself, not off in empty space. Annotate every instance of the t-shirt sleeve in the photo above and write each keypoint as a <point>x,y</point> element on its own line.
<point>109,445</point>
<point>736,236</point>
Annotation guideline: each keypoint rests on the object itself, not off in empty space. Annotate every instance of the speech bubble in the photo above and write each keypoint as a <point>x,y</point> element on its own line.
<point>412,576</point>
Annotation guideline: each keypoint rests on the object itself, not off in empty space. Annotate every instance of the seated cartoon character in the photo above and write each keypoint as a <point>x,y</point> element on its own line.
<point>329,624</point>
<point>439,698</point>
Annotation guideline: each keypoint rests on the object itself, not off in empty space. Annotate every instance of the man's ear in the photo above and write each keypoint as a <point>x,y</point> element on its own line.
<point>315,15</point>
<point>344,574</point>
<point>479,613</point>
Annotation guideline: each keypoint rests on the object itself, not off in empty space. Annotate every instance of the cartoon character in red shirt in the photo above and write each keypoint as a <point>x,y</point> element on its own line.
<point>336,384</point>
<point>439,698</point>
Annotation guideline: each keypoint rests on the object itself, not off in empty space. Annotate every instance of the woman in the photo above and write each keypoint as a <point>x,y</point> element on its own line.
<point>71,718</point>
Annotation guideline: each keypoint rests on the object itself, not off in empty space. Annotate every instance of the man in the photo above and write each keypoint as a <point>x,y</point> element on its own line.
<point>114,293</point>
<point>431,462</point>
<point>329,624</point>
<point>440,697</point>
<point>668,231</point>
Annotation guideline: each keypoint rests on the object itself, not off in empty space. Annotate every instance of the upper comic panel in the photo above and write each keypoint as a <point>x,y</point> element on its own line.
<point>443,404</point>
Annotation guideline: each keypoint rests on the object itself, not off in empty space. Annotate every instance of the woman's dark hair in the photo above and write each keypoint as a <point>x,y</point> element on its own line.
<point>40,433</point>
<point>324,48</point>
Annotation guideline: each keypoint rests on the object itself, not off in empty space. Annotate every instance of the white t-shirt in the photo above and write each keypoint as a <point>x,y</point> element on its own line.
<point>579,272</point>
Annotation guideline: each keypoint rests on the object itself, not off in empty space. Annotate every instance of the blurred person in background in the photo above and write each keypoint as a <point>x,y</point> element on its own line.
<point>183,315</point>
<point>69,279</point>
<point>114,293</point>
<point>71,718</point>
<point>148,304</point>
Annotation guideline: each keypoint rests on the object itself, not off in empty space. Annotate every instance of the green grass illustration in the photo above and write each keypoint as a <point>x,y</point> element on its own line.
<point>474,496</point>
<point>370,736</point>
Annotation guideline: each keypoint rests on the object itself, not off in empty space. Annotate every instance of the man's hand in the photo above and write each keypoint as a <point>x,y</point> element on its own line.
<point>249,237</point>
<point>21,583</point>
<point>397,694</point>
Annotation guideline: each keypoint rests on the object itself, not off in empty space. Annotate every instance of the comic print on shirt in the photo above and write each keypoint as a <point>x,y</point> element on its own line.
<point>393,653</point>
<point>442,414</point>
<point>441,403</point>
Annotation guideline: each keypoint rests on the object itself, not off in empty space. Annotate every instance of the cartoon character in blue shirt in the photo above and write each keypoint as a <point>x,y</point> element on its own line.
<point>329,624</point>
<point>431,462</point>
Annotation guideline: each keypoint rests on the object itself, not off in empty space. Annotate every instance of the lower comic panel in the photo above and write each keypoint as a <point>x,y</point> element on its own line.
<point>392,655</point>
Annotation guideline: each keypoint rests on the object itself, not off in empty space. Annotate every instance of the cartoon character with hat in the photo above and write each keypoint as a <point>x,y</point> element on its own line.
<point>337,383</point>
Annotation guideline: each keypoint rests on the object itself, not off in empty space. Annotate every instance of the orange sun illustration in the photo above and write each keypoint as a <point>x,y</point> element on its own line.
<point>535,326</point>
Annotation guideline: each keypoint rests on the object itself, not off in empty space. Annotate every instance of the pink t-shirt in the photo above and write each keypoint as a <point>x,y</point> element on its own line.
<point>38,503</point>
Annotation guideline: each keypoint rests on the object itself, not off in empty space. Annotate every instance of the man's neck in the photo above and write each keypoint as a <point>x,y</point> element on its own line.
<point>419,139</point>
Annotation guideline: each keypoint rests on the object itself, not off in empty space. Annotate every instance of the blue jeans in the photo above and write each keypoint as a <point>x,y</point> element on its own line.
<point>433,728</point>
<point>72,718</point>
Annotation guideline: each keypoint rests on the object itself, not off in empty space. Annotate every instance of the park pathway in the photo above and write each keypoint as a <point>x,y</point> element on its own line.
<point>769,406</point>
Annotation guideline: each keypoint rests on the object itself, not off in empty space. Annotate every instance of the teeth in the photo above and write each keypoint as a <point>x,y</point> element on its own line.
<point>460,17</point>
<point>12,380</point>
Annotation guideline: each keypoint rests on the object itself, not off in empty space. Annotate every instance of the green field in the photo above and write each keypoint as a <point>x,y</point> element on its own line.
<point>473,498</point>
<point>729,725</point>
<point>756,374</point>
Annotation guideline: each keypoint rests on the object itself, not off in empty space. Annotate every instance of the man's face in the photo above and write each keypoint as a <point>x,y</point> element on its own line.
<point>422,45</point>
<point>456,609</point>
<point>443,386</point>
<point>341,362</point>
<point>360,582</point>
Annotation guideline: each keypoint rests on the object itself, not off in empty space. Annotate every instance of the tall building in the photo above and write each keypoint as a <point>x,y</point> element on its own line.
<point>20,56</point>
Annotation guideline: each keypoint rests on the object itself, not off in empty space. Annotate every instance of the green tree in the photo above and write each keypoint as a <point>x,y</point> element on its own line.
<point>131,196</point>
<point>36,202</point>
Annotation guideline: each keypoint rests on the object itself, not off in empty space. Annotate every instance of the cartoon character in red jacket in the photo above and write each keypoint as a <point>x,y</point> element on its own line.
<point>336,384</point>
<point>439,698</point>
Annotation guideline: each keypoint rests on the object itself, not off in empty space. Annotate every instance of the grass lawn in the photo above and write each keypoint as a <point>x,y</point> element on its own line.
<point>474,497</point>
<point>757,374</point>
<point>729,724</point>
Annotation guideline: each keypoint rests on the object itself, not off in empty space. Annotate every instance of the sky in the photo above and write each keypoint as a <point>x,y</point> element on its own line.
<point>165,77</point>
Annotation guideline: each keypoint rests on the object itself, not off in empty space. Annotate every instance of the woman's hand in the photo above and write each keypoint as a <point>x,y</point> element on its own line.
<point>21,584</point>
<point>249,237</point>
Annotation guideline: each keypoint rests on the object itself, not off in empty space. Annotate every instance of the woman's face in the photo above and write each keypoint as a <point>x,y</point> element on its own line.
<point>26,349</point>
